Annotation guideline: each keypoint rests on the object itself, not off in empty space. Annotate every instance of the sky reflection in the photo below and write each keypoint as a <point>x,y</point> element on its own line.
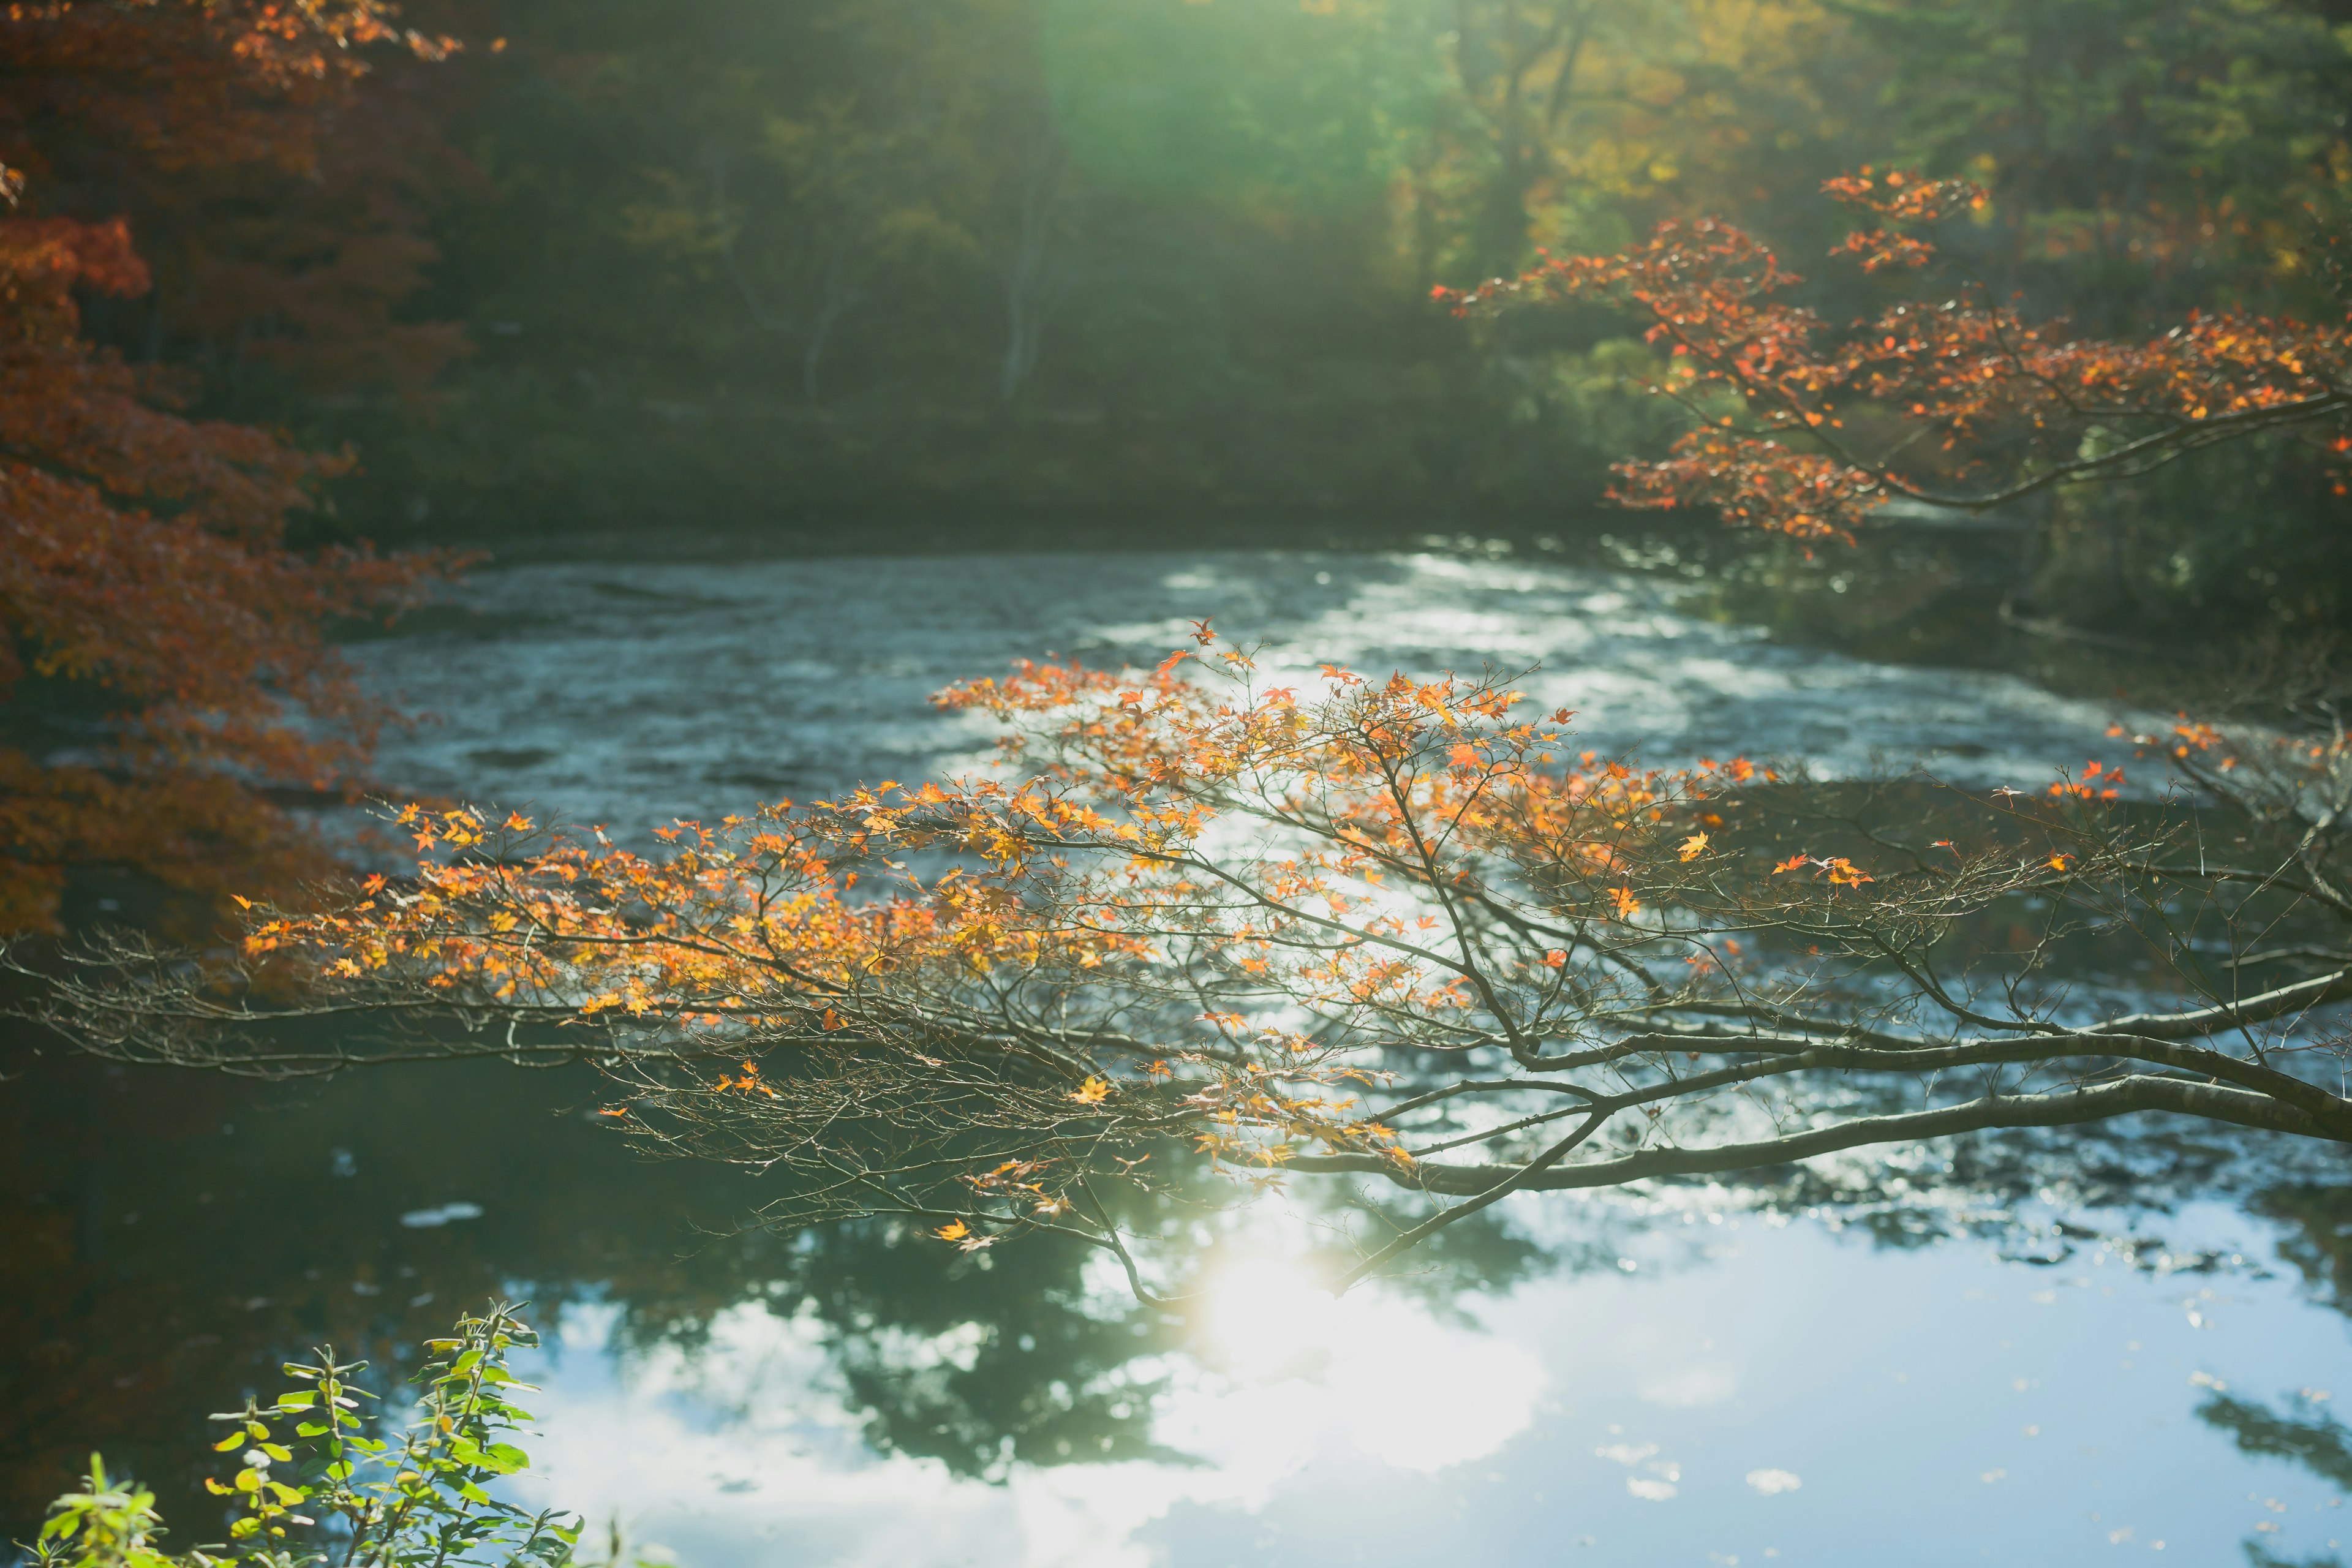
<point>1716,1390</point>
<point>1754,1392</point>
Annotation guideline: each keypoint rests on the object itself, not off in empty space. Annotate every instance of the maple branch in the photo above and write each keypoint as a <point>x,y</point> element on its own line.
<point>2140,1092</point>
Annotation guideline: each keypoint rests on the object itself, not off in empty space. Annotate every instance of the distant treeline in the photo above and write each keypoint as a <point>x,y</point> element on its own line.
<point>1121,267</point>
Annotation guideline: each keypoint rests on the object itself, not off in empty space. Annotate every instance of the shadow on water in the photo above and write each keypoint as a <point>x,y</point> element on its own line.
<point>165,1240</point>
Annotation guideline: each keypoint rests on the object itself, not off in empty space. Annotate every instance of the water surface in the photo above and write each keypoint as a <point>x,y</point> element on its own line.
<point>2124,1342</point>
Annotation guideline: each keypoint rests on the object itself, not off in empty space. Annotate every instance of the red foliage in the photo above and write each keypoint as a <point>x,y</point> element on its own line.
<point>1957,401</point>
<point>142,552</point>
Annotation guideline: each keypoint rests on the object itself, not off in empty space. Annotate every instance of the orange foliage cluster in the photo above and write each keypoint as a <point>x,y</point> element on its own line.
<point>1806,426</point>
<point>1207,913</point>
<point>143,568</point>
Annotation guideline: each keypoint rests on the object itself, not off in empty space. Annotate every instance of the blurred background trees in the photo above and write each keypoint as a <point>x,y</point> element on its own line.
<point>989,269</point>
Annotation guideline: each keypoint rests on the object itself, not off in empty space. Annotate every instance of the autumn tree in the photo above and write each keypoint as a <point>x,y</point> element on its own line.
<point>1388,931</point>
<point>1805,424</point>
<point>1396,931</point>
<point>164,666</point>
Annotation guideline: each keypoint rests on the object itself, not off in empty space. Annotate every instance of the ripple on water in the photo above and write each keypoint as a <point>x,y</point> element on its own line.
<point>630,695</point>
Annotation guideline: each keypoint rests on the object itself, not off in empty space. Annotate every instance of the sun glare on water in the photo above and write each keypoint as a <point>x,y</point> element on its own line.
<point>1367,1368</point>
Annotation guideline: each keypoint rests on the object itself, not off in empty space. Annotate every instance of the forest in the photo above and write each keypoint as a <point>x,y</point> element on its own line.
<point>1005,269</point>
<point>1058,714</point>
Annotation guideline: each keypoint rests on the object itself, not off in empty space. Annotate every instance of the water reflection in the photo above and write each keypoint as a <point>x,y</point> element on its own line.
<point>1698,1369</point>
<point>1983,1350</point>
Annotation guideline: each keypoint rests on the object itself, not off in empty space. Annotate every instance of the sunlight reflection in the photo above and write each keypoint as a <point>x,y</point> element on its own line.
<point>1667,1415</point>
<point>1369,1370</point>
<point>1265,1319</point>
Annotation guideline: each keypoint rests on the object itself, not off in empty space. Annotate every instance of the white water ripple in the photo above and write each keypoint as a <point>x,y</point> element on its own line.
<point>631,694</point>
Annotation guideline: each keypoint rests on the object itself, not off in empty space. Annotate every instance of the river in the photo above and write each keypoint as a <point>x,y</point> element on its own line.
<point>2052,1361</point>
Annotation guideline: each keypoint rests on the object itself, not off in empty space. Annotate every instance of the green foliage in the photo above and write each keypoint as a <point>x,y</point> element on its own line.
<point>315,1488</point>
<point>2249,535</point>
<point>1003,269</point>
<point>105,1525</point>
<point>1289,107</point>
<point>2145,157</point>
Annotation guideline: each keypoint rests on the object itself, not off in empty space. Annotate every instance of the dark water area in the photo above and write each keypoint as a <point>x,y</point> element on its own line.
<point>1940,1362</point>
<point>2031,1349</point>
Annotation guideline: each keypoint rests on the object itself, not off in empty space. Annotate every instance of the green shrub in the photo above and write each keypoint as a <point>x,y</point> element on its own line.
<point>314,1487</point>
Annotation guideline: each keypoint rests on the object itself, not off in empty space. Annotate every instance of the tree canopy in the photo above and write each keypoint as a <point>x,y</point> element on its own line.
<point>164,663</point>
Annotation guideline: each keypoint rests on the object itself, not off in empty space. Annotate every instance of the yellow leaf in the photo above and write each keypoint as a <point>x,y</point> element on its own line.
<point>1091,1092</point>
<point>954,1230</point>
<point>1693,847</point>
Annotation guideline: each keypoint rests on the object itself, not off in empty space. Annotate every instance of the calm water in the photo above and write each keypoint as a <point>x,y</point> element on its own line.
<point>2052,1353</point>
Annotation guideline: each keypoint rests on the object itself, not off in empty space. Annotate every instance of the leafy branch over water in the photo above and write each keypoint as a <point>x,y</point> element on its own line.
<point>1396,931</point>
<point>1387,931</point>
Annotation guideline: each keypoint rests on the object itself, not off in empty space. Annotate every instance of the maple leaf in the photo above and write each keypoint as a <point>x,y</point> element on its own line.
<point>1692,846</point>
<point>1093,1091</point>
<point>954,1230</point>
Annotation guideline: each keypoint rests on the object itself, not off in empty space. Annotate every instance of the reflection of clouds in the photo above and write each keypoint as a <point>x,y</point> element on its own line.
<point>741,1453</point>
<point>1685,1388</point>
<point>666,1441</point>
<point>1635,1408</point>
<point>1385,1379</point>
